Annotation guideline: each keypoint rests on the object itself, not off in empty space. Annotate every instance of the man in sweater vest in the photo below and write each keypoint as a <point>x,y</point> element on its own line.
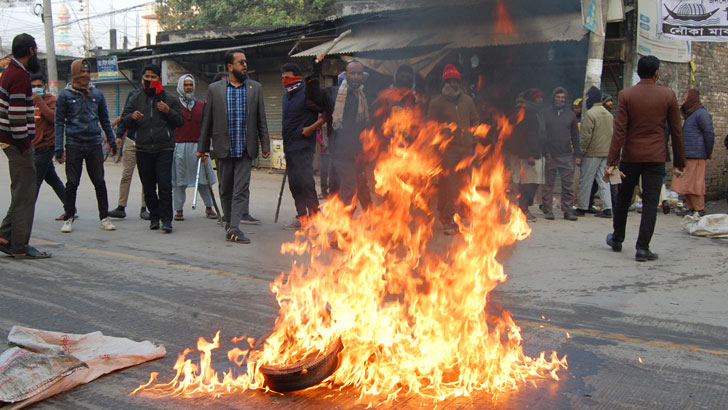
<point>184,168</point>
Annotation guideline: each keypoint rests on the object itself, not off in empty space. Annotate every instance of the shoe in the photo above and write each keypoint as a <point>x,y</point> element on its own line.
<point>119,212</point>
<point>665,207</point>
<point>249,220</point>
<point>700,213</point>
<point>62,217</point>
<point>144,214</point>
<point>210,214</point>
<point>616,246</point>
<point>33,253</point>
<point>67,228</point>
<point>644,255</point>
<point>235,235</point>
<point>607,213</point>
<point>579,212</point>
<point>154,225</point>
<point>529,216</point>
<point>294,226</point>
<point>593,210</point>
<point>548,216</point>
<point>569,216</point>
<point>179,216</point>
<point>107,225</point>
<point>167,227</point>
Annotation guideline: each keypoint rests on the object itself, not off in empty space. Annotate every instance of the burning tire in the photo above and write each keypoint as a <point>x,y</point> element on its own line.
<point>304,374</point>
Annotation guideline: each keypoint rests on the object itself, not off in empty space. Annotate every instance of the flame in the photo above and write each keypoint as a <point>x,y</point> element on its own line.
<point>410,306</point>
<point>639,359</point>
<point>503,26</point>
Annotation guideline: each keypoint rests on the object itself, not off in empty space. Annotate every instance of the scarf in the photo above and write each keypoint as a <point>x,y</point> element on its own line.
<point>80,82</point>
<point>691,104</point>
<point>291,84</point>
<point>187,100</point>
<point>362,114</point>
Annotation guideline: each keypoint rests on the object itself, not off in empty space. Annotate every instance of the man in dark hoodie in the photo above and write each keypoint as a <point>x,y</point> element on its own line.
<point>81,114</point>
<point>154,115</point>
<point>562,152</point>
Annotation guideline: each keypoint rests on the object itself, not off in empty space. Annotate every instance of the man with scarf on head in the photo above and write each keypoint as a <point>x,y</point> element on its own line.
<point>526,146</point>
<point>562,152</point>
<point>699,138</point>
<point>17,130</point>
<point>81,114</point>
<point>187,136</point>
<point>300,122</point>
<point>234,123</point>
<point>154,115</point>
<point>453,106</point>
<point>595,137</point>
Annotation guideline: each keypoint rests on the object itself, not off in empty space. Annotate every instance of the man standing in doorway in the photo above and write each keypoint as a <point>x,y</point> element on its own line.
<point>81,114</point>
<point>17,130</point>
<point>234,122</point>
<point>639,135</point>
<point>154,115</point>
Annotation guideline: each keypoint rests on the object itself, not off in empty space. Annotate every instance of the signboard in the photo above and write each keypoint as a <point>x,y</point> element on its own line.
<point>591,13</point>
<point>107,68</point>
<point>615,11</point>
<point>171,72</point>
<point>651,42</point>
<point>694,19</point>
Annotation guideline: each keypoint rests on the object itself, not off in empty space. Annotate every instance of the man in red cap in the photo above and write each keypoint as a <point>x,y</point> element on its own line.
<point>453,106</point>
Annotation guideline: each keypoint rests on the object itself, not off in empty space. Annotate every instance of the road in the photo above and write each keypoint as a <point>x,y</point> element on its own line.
<point>171,289</point>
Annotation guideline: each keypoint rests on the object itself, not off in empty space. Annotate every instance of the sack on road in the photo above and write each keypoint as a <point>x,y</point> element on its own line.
<point>711,226</point>
<point>47,363</point>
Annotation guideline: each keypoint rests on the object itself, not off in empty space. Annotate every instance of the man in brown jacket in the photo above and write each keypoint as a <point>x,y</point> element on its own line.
<point>639,133</point>
<point>45,137</point>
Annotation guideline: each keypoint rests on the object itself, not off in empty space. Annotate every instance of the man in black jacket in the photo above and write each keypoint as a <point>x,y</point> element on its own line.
<point>154,115</point>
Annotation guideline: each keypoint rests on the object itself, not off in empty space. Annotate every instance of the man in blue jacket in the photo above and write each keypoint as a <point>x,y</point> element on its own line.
<point>81,114</point>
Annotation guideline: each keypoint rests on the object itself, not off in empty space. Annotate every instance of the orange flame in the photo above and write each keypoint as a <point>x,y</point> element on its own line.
<point>410,308</point>
<point>504,25</point>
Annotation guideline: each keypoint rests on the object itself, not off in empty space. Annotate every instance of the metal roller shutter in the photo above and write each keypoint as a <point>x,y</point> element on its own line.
<point>115,95</point>
<point>273,92</point>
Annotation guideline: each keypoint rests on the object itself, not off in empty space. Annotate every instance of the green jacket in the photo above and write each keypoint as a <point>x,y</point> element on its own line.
<point>596,132</point>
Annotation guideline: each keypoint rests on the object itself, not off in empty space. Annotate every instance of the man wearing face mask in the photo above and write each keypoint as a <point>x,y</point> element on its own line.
<point>44,141</point>
<point>234,122</point>
<point>154,115</point>
<point>453,106</point>
<point>81,114</point>
<point>184,171</point>
<point>562,152</point>
<point>17,130</point>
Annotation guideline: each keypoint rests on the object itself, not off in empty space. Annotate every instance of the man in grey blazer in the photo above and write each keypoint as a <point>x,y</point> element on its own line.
<point>234,121</point>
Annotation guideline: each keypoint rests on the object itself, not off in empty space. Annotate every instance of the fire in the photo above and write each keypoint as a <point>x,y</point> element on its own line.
<point>410,307</point>
<point>504,25</point>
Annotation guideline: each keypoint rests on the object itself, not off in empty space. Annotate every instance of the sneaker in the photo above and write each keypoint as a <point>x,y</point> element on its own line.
<point>235,235</point>
<point>167,227</point>
<point>529,216</point>
<point>249,220</point>
<point>144,214</point>
<point>107,225</point>
<point>154,225</point>
<point>569,216</point>
<point>548,216</point>
<point>616,246</point>
<point>579,212</point>
<point>607,213</point>
<point>67,228</point>
<point>294,226</point>
<point>644,255</point>
<point>665,207</point>
<point>119,212</point>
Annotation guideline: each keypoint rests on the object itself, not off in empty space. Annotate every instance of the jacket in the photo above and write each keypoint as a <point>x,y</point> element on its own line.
<point>562,132</point>
<point>155,130</point>
<point>215,121</point>
<point>296,116</point>
<point>529,134</point>
<point>462,112</point>
<point>120,128</point>
<point>639,129</point>
<point>45,130</point>
<point>596,131</point>
<point>698,133</point>
<point>80,117</point>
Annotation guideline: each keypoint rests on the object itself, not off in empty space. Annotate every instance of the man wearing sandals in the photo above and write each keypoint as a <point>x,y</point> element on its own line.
<point>17,129</point>
<point>234,122</point>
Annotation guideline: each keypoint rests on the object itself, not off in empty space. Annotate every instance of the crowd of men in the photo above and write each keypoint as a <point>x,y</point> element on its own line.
<point>167,137</point>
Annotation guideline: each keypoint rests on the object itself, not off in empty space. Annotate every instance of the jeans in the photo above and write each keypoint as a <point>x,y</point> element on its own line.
<point>46,171</point>
<point>94,157</point>
<point>592,171</point>
<point>299,166</point>
<point>18,222</point>
<point>329,179</point>
<point>155,171</point>
<point>652,174</point>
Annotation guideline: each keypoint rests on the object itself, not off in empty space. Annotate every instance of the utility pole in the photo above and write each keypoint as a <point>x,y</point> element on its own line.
<point>595,54</point>
<point>50,48</point>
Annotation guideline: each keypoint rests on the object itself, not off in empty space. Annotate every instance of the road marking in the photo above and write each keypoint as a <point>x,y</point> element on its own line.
<point>624,338</point>
<point>186,268</point>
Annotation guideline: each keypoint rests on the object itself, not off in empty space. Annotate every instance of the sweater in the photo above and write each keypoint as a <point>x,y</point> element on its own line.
<point>17,118</point>
<point>596,131</point>
<point>45,130</point>
<point>190,131</point>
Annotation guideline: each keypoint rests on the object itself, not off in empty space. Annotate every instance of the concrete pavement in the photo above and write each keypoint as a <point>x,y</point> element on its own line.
<point>171,289</point>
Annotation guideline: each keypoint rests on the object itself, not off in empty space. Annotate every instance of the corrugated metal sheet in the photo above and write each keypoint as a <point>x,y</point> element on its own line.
<point>541,29</point>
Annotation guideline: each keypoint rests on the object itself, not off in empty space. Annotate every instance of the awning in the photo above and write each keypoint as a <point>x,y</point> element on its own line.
<point>541,29</point>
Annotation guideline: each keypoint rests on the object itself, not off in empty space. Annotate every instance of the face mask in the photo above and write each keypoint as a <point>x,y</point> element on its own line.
<point>38,91</point>
<point>291,84</point>
<point>152,87</point>
<point>559,104</point>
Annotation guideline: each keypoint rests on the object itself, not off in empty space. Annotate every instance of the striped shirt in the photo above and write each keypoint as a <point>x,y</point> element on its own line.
<point>17,119</point>
<point>237,113</point>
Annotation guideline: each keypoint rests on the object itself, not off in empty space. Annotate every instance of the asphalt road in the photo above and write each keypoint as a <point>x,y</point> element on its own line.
<point>171,289</point>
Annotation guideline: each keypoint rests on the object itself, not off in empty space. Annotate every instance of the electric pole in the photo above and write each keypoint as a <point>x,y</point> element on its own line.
<point>50,48</point>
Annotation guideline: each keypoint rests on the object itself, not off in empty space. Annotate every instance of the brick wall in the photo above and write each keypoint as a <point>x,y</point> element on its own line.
<point>711,59</point>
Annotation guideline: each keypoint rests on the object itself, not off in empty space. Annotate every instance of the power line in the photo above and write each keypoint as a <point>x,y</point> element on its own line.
<point>108,13</point>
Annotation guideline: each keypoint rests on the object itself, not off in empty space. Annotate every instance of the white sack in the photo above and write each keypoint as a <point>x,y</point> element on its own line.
<point>711,226</point>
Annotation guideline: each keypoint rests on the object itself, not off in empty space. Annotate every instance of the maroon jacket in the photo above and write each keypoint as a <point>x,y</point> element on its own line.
<point>639,128</point>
